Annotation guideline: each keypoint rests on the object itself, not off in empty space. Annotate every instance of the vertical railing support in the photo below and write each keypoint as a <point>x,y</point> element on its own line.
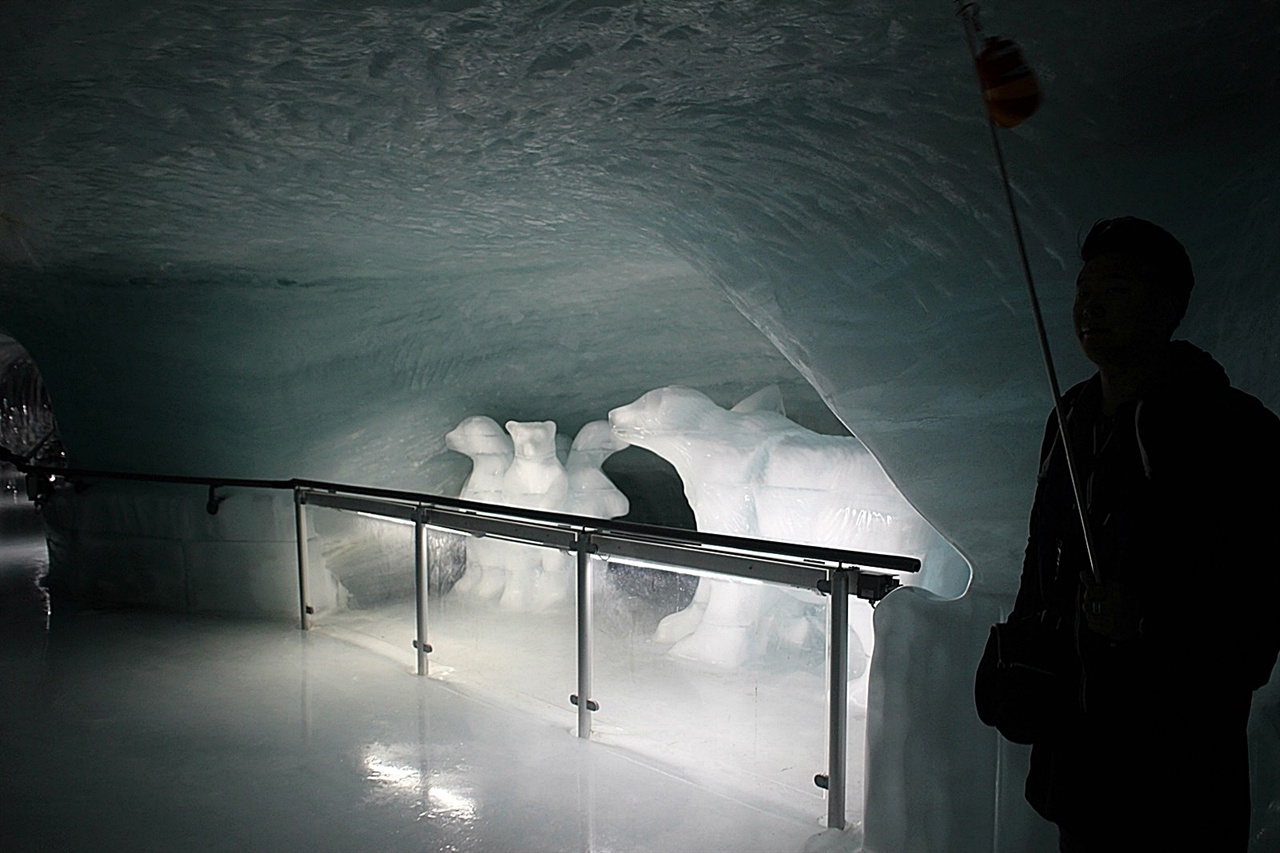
<point>838,693</point>
<point>304,574</point>
<point>585,604</point>
<point>421,586</point>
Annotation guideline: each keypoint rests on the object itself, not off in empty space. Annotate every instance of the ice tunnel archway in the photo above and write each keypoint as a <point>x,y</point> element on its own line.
<point>442,181</point>
<point>256,241</point>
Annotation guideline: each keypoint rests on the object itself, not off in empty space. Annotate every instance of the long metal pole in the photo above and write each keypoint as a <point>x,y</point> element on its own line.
<point>968,14</point>
<point>838,695</point>
<point>1058,409</point>
<point>585,672</point>
<point>421,575</point>
<point>304,590</point>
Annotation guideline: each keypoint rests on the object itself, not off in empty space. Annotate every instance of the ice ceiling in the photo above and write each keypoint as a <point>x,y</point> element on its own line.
<point>307,238</point>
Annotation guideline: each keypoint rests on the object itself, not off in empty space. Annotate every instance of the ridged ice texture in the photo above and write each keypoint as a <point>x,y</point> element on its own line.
<point>327,230</point>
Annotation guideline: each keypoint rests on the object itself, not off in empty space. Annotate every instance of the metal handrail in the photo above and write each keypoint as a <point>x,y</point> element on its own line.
<point>835,572</point>
<point>864,559</point>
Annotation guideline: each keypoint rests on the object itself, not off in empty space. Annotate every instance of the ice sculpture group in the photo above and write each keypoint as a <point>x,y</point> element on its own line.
<point>747,471</point>
<point>750,471</point>
<point>520,467</point>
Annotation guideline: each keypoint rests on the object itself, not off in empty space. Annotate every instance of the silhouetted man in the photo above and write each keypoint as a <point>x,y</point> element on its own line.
<point>1135,690</point>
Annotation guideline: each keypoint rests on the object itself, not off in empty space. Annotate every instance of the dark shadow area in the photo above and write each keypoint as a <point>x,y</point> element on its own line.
<point>656,494</point>
<point>652,486</point>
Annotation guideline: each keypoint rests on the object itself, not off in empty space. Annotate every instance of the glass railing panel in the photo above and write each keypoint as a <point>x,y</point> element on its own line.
<point>725,686</point>
<point>512,634</point>
<point>371,559</point>
<point>500,614</point>
<point>861,644</point>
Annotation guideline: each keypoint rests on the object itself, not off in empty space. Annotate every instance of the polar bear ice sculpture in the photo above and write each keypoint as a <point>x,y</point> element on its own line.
<point>590,493</point>
<point>524,469</point>
<point>750,471</point>
<point>491,452</point>
<point>535,480</point>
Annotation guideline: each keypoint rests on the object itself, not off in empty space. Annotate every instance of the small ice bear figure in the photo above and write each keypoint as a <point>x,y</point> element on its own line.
<point>751,471</point>
<point>536,479</point>
<point>491,452</point>
<point>591,492</point>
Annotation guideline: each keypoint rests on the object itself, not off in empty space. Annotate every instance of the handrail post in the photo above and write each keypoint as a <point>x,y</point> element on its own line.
<point>304,586</point>
<point>585,642</point>
<point>838,693</point>
<point>421,577</point>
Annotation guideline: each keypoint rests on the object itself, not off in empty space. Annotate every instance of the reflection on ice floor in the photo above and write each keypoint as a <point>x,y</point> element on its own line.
<point>126,730</point>
<point>757,735</point>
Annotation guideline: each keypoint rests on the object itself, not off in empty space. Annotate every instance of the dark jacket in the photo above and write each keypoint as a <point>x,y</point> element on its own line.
<point>1183,492</point>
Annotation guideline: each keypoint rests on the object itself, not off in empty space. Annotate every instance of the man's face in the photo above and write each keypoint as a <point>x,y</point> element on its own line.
<point>1120,316</point>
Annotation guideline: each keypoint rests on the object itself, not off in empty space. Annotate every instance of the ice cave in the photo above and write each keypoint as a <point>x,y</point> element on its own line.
<point>726,266</point>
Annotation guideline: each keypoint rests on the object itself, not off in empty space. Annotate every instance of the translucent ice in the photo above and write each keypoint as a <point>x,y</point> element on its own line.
<point>751,471</point>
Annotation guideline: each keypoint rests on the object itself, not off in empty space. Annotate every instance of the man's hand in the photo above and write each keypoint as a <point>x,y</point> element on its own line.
<point>1110,609</point>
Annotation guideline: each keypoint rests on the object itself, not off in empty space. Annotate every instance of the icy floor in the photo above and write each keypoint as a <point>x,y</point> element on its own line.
<point>125,730</point>
<point>757,735</point>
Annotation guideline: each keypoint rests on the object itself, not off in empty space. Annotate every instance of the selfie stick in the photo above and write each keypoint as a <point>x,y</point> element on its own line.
<point>1011,94</point>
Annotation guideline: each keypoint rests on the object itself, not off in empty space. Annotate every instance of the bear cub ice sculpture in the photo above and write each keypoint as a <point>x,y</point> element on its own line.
<point>535,480</point>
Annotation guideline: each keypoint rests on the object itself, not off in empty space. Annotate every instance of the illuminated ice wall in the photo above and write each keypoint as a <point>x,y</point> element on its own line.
<point>309,240</point>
